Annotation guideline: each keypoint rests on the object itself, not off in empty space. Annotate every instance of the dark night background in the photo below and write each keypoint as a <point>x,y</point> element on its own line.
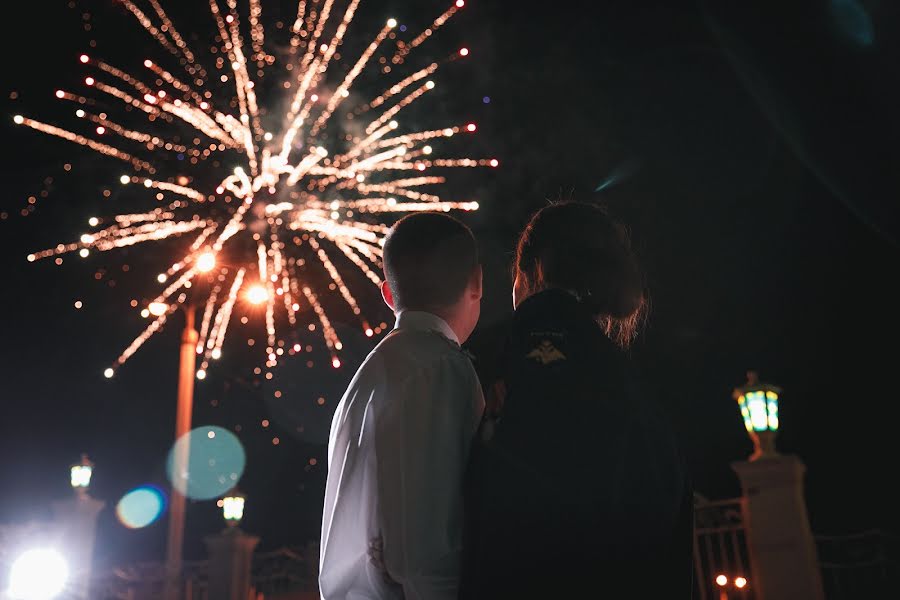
<point>751,147</point>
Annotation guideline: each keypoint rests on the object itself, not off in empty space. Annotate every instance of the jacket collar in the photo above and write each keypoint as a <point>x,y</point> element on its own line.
<point>416,320</point>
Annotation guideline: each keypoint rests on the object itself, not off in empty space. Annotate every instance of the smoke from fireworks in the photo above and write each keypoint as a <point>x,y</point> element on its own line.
<point>299,193</point>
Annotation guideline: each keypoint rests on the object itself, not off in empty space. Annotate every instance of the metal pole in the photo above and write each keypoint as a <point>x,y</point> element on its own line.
<point>174,545</point>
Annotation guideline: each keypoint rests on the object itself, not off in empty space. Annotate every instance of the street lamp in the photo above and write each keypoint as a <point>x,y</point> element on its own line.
<point>205,263</point>
<point>81,475</point>
<point>759,408</point>
<point>233,507</point>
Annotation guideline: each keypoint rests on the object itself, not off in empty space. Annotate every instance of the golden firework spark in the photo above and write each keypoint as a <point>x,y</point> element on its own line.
<point>294,193</point>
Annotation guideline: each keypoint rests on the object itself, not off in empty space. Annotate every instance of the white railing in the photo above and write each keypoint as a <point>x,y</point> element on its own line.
<point>720,546</point>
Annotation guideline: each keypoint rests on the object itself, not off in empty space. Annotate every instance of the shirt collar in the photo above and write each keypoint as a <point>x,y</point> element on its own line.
<point>416,320</point>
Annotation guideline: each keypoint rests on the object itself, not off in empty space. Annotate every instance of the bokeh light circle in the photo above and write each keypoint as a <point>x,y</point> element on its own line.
<point>216,463</point>
<point>141,507</point>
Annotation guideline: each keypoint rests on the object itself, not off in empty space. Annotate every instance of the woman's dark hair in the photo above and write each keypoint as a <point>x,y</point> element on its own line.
<point>580,248</point>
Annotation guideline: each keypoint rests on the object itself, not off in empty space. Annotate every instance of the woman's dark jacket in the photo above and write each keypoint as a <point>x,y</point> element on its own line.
<point>575,487</point>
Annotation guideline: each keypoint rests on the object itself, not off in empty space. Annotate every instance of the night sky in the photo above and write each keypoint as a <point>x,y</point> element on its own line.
<point>752,151</point>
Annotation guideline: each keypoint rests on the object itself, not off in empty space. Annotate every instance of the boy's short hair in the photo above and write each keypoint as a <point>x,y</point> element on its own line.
<point>429,259</point>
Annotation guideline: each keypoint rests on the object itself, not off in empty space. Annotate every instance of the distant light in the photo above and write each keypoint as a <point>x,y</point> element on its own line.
<point>216,354</point>
<point>108,373</point>
<point>233,508</point>
<point>61,94</point>
<point>38,574</point>
<point>429,85</point>
<point>101,130</point>
<point>392,23</point>
<point>369,332</point>
<point>257,294</point>
<point>336,362</point>
<point>267,136</point>
<point>89,80</point>
<point>427,150</point>
<point>78,304</point>
<point>740,582</point>
<point>206,262</point>
<point>721,580</point>
<point>463,51</point>
<point>158,308</point>
<point>18,119</point>
<point>80,474</point>
<point>211,434</point>
<point>460,3</point>
<point>84,58</point>
<point>471,127</point>
<point>124,179</point>
<point>93,221</point>
<point>201,374</point>
<point>494,162</point>
<point>486,99</point>
<point>83,253</point>
<point>161,277</point>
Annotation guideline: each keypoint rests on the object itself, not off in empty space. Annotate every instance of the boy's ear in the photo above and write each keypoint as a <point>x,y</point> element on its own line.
<point>476,284</point>
<point>387,295</point>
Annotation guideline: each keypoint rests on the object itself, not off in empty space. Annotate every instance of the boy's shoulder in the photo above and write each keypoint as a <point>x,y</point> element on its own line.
<point>418,348</point>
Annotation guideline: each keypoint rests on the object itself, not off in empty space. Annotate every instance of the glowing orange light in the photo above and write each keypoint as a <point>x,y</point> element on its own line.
<point>206,262</point>
<point>257,294</point>
<point>158,308</point>
<point>721,580</point>
<point>740,582</point>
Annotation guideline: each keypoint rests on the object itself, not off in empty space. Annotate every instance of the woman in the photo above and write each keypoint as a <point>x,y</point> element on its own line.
<point>575,488</point>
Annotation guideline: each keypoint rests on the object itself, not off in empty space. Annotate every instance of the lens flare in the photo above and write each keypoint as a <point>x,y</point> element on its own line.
<point>216,463</point>
<point>39,574</point>
<point>141,507</point>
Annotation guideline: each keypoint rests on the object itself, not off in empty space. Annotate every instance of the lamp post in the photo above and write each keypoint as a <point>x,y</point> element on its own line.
<point>759,408</point>
<point>782,550</point>
<point>231,553</point>
<point>75,521</point>
<point>181,452</point>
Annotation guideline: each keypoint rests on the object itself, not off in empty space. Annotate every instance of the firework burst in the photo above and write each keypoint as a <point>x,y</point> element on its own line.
<point>299,193</point>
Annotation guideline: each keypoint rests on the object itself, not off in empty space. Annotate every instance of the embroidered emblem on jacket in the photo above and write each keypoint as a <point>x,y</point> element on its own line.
<point>546,353</point>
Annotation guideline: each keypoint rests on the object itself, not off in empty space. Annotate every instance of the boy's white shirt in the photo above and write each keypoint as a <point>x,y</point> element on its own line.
<point>397,453</point>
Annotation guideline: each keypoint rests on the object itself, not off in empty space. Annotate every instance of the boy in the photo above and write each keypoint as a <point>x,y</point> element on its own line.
<point>400,436</point>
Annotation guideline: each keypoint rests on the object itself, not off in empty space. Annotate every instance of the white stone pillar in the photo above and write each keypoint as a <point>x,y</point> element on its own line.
<point>782,548</point>
<point>76,523</point>
<point>230,559</point>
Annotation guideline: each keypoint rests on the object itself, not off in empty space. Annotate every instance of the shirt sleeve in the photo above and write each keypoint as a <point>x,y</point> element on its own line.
<point>423,437</point>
